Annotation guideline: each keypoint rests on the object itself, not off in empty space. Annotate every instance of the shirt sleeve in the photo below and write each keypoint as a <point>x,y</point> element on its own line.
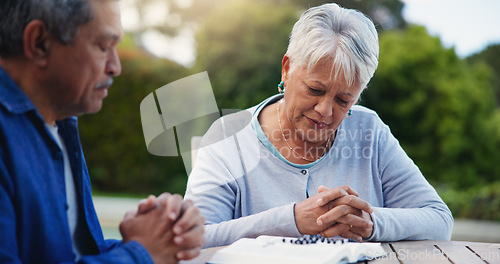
<point>8,239</point>
<point>215,188</point>
<point>130,252</point>
<point>412,208</point>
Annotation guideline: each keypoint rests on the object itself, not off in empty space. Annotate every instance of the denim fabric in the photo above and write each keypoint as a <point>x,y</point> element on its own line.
<point>33,219</point>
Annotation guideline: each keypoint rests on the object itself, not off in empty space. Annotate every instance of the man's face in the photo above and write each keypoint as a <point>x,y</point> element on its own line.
<point>79,74</point>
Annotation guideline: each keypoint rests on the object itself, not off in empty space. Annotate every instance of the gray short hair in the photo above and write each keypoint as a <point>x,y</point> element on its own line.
<point>62,18</point>
<point>329,31</point>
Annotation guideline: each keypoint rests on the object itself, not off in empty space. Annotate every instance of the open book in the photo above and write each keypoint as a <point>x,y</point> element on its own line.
<point>307,249</point>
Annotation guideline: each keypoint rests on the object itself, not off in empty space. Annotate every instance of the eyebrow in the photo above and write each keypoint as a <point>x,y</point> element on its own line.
<point>346,94</point>
<point>318,82</point>
<point>110,36</point>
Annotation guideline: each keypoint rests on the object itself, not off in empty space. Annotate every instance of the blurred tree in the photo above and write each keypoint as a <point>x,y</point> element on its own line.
<point>113,140</point>
<point>386,14</point>
<point>241,46</point>
<point>157,18</point>
<point>164,16</point>
<point>490,56</point>
<point>438,106</point>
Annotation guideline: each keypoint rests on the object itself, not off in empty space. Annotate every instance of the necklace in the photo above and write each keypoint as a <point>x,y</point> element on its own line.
<point>286,141</point>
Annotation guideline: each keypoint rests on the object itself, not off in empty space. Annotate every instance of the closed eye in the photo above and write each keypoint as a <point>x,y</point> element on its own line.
<point>315,91</point>
<point>342,102</point>
<point>102,48</point>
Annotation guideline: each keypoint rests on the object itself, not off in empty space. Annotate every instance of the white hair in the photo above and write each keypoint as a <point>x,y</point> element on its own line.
<point>345,36</point>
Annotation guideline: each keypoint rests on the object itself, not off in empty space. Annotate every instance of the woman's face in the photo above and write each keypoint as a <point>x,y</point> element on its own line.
<point>315,104</point>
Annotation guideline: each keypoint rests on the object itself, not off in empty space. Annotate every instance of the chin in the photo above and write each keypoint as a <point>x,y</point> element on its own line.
<point>94,108</point>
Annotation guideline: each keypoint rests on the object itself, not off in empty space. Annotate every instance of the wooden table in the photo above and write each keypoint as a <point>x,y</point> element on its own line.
<point>403,252</point>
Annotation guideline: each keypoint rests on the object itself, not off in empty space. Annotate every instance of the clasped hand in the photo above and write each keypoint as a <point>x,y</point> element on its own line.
<point>170,228</point>
<point>335,212</point>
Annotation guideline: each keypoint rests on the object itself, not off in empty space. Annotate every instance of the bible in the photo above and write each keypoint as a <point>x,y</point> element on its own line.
<point>306,249</point>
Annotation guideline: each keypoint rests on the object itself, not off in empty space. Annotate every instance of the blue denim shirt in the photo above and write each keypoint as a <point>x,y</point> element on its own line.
<point>33,220</point>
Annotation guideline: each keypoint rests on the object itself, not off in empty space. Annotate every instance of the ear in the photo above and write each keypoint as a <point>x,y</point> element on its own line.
<point>285,68</point>
<point>36,42</point>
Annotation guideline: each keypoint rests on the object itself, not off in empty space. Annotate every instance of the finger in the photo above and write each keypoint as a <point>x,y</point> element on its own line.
<point>350,234</point>
<point>129,214</point>
<point>191,217</point>
<point>334,230</point>
<point>322,188</point>
<point>330,195</point>
<point>146,205</point>
<point>186,204</point>
<point>355,221</point>
<point>191,239</point>
<point>331,217</point>
<point>349,190</point>
<point>174,207</point>
<point>362,232</point>
<point>163,199</point>
<point>355,202</point>
<point>188,254</point>
<point>172,203</point>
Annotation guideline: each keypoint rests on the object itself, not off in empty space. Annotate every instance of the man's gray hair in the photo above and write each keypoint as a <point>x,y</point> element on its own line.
<point>346,36</point>
<point>61,17</point>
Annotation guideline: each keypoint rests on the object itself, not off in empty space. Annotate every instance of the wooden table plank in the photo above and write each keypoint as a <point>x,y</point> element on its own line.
<point>458,253</point>
<point>406,252</point>
<point>390,258</point>
<point>419,252</point>
<point>489,253</point>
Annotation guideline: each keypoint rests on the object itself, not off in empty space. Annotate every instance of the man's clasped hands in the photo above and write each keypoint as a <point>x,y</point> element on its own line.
<point>170,228</point>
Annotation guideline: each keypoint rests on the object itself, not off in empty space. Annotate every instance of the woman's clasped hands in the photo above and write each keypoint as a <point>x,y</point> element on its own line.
<point>335,212</point>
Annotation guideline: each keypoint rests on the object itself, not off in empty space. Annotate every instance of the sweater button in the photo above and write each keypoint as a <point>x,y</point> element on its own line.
<point>304,172</point>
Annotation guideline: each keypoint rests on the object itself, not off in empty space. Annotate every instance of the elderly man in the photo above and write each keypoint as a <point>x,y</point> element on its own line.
<point>57,61</point>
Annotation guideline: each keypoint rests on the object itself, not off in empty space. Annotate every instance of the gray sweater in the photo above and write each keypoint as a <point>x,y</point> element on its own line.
<point>245,188</point>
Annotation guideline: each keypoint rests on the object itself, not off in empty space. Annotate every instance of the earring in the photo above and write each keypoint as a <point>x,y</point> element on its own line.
<point>349,113</point>
<point>281,87</point>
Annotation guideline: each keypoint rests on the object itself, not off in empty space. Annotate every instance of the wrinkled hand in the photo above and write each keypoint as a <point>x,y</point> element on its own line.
<point>168,227</point>
<point>153,230</point>
<point>352,220</point>
<point>188,225</point>
<point>331,212</point>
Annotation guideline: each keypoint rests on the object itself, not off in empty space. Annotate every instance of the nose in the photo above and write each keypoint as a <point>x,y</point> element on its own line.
<point>324,106</point>
<point>113,65</point>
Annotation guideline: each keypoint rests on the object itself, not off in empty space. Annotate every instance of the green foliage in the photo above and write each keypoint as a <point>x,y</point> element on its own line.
<point>241,47</point>
<point>437,106</point>
<point>113,140</point>
<point>490,56</point>
<point>476,202</point>
<point>386,14</point>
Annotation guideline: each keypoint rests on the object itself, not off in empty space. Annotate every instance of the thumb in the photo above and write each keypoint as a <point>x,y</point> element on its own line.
<point>322,188</point>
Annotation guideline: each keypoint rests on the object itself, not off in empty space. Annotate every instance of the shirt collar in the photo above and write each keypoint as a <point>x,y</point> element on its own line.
<point>12,97</point>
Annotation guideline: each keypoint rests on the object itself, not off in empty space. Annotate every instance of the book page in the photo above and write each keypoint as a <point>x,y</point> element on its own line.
<point>267,249</point>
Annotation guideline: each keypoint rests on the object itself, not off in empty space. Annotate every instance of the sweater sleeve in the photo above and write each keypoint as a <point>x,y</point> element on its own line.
<point>215,186</point>
<point>412,208</point>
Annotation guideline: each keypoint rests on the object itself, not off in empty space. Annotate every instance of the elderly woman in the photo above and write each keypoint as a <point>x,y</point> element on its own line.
<point>310,161</point>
